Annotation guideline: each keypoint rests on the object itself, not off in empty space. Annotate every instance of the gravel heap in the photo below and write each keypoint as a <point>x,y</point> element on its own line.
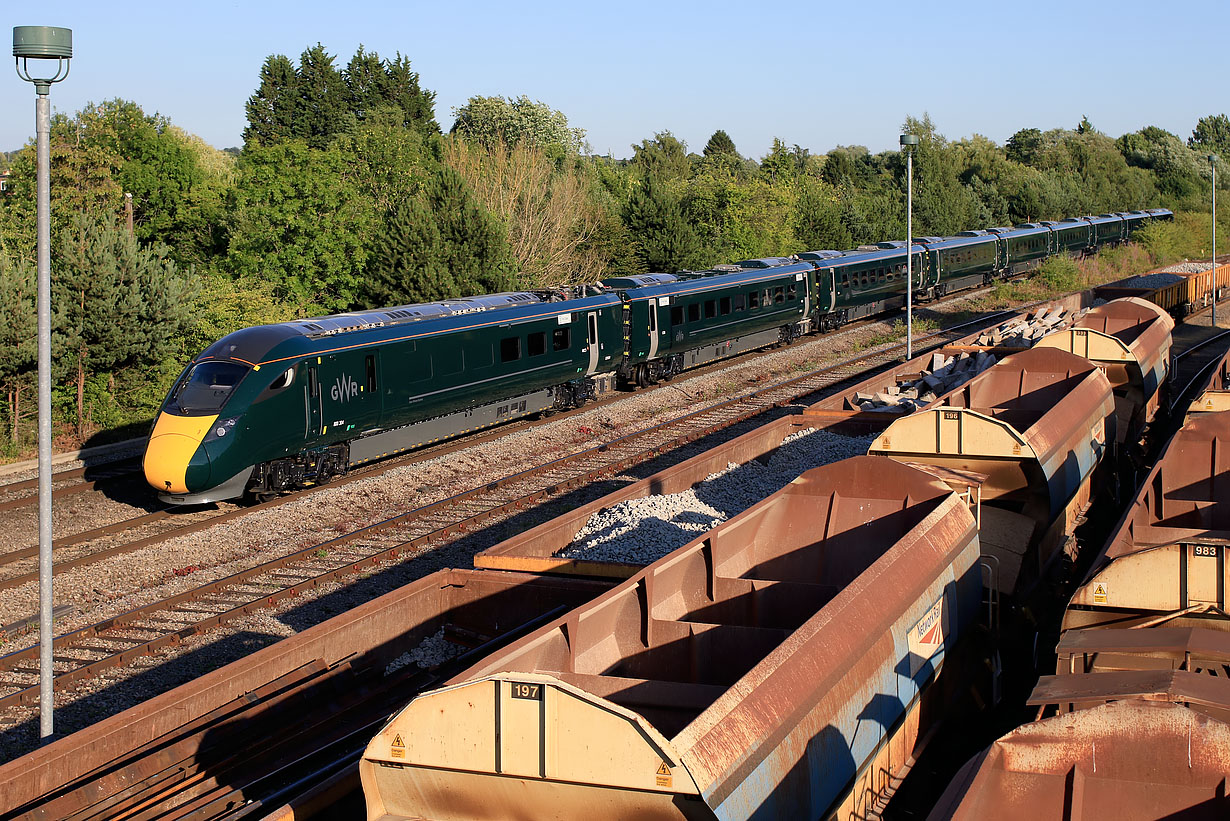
<point>1185,268</point>
<point>641,531</point>
<point>430,652</point>
<point>1157,280</point>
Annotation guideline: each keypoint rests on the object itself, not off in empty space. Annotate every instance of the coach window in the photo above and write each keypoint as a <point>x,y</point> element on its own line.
<point>724,305</point>
<point>753,299</point>
<point>510,349</point>
<point>694,312</point>
<point>779,294</point>
<point>845,279</point>
<point>370,367</point>
<point>740,303</point>
<point>561,339</point>
<point>710,308</point>
<point>676,315</point>
<point>766,296</point>
<point>536,344</point>
<point>792,292</point>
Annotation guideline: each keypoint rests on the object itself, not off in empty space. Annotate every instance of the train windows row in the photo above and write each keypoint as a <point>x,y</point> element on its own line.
<point>535,344</point>
<point>732,304</point>
<point>872,276</point>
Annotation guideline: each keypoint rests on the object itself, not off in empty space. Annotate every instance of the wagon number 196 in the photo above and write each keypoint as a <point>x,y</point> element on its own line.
<point>1205,550</point>
<point>532,692</point>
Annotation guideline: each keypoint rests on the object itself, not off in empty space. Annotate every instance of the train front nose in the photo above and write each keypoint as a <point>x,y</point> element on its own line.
<point>174,461</point>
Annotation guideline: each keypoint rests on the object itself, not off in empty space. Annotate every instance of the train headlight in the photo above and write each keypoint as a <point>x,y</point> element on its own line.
<point>221,429</point>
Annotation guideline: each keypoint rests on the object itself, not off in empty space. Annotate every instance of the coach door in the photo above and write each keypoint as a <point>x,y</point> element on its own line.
<point>592,330</point>
<point>312,410</point>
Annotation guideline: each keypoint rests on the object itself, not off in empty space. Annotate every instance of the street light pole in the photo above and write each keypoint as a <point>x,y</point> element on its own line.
<point>908,141</point>
<point>1213,169</point>
<point>43,43</point>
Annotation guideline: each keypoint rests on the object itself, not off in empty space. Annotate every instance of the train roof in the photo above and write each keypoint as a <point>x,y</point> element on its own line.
<point>638,281</point>
<point>1023,230</point>
<point>815,256</point>
<point>300,337</point>
<point>960,240</point>
<point>698,281</point>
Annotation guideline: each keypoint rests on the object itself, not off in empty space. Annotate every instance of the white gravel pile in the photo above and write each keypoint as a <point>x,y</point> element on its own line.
<point>641,531</point>
<point>1184,268</point>
<point>430,652</point>
<point>1156,280</point>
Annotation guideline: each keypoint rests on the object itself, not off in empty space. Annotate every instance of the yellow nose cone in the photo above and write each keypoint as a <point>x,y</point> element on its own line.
<point>171,445</point>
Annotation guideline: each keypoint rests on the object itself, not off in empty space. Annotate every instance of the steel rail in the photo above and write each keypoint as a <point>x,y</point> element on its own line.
<point>195,611</point>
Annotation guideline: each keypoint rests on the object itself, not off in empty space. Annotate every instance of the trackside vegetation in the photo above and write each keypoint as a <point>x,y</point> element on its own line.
<point>347,194</point>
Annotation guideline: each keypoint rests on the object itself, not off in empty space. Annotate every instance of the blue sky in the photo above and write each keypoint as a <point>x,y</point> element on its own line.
<point>816,74</point>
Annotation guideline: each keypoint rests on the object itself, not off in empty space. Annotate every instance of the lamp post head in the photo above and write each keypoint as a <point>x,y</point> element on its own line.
<point>908,140</point>
<point>42,43</point>
<point>1212,159</point>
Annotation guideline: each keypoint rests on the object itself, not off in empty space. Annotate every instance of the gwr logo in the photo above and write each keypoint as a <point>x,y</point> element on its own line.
<point>344,387</point>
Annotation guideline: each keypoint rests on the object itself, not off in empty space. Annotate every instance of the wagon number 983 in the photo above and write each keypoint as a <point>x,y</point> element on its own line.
<point>1205,550</point>
<point>533,692</point>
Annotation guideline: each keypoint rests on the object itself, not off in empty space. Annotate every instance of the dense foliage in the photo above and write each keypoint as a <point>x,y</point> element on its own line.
<point>347,195</point>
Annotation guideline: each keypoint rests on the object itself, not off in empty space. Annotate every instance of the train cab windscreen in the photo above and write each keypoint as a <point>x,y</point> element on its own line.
<point>205,388</point>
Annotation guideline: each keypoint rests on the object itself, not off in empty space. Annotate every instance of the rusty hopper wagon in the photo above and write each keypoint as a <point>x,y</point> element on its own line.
<point>775,667</point>
<point>1215,396</point>
<point>1130,339</point>
<point>1127,760</point>
<point>1036,426</point>
<point>1167,560</point>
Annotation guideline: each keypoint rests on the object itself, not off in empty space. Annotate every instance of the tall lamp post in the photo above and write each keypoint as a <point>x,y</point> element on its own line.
<point>43,43</point>
<point>1213,169</point>
<point>908,141</point>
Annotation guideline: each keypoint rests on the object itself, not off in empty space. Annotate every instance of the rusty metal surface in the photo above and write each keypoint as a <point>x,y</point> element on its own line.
<point>762,667</point>
<point>315,676</point>
<point>1036,425</point>
<point>1167,555</point>
<point>1130,339</point>
<point>1129,761</point>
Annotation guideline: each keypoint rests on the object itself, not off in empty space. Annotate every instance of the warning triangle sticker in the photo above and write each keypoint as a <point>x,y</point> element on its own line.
<point>397,742</point>
<point>1099,590</point>
<point>664,770</point>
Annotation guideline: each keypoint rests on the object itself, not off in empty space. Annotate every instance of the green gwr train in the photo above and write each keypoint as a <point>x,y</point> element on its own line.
<point>278,407</point>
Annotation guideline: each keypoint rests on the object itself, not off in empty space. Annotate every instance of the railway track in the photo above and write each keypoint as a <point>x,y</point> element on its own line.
<point>97,544</point>
<point>117,641</point>
<point>24,493</point>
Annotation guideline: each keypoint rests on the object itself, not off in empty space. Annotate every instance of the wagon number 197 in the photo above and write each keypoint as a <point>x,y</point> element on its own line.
<point>1205,550</point>
<point>532,692</point>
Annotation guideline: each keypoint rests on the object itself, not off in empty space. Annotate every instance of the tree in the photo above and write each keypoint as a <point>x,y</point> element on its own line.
<point>720,144</point>
<point>117,304</point>
<point>1023,146</point>
<point>666,241</point>
<point>273,109</point>
<point>402,91</point>
<point>438,245</point>
<point>298,219</point>
<point>817,218</point>
<point>552,214</point>
<point>493,120</point>
<point>18,351</point>
<point>782,163</point>
<point>665,157</point>
<point>1212,133</point>
<point>322,97</point>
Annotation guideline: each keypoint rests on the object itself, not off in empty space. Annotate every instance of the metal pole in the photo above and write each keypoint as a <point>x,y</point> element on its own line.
<point>909,255</point>
<point>1213,168</point>
<point>45,671</point>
